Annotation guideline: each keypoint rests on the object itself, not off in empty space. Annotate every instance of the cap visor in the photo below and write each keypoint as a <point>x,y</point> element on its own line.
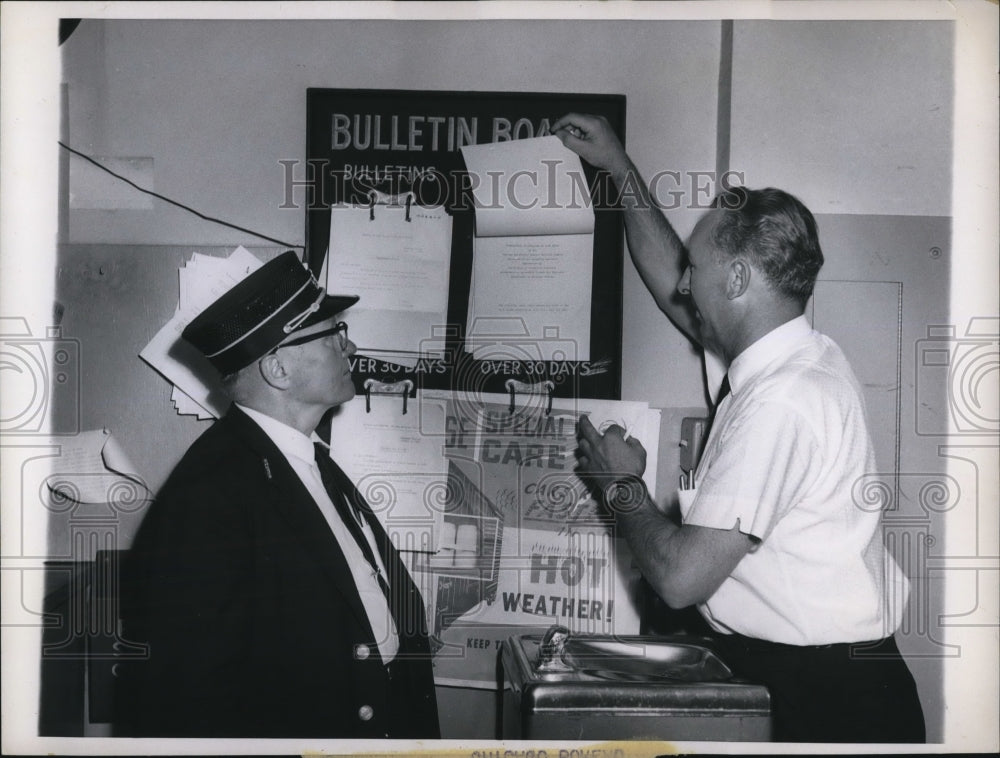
<point>330,307</point>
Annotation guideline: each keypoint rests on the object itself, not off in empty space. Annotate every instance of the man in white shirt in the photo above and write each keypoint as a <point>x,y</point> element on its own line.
<point>272,602</point>
<point>787,569</point>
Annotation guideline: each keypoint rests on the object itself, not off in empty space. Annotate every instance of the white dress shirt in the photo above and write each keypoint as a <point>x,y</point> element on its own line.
<point>300,454</point>
<point>785,454</point>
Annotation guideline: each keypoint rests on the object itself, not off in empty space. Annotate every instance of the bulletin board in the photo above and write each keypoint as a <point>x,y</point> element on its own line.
<point>398,142</point>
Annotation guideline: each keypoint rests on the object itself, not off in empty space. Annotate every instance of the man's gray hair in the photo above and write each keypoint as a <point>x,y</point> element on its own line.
<point>775,232</point>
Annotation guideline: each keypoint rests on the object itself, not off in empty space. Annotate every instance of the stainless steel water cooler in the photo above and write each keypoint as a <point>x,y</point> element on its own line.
<point>594,687</point>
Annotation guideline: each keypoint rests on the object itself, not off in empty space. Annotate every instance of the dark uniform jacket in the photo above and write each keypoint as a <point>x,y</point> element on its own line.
<point>253,622</point>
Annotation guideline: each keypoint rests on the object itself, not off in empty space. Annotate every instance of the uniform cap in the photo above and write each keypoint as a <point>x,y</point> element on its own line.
<point>259,312</point>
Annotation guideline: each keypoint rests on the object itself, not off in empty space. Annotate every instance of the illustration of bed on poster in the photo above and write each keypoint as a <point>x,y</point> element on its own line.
<point>532,260</point>
<point>500,534</point>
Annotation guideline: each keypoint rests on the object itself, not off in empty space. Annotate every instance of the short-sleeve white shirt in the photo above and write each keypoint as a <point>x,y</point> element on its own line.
<point>785,454</point>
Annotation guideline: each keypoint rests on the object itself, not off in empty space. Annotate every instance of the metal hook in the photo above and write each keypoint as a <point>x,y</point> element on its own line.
<point>375,387</point>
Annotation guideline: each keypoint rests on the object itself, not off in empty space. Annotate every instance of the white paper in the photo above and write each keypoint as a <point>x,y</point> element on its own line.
<point>92,467</point>
<point>485,424</point>
<point>573,579</point>
<point>201,281</point>
<point>186,406</point>
<point>513,477</point>
<point>396,462</point>
<point>532,292</point>
<point>186,368</point>
<point>205,278</point>
<point>528,186</point>
<point>532,271</point>
<point>400,270</point>
<point>596,580</point>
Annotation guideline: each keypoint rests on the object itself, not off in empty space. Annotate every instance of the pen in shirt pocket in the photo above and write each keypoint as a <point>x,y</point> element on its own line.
<point>686,480</point>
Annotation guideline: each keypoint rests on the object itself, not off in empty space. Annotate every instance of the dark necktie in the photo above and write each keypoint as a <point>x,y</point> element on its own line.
<point>352,517</point>
<point>724,389</point>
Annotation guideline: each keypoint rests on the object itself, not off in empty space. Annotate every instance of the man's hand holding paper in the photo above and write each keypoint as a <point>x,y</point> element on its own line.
<point>592,138</point>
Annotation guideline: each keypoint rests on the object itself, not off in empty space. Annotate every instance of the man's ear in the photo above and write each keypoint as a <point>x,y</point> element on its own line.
<point>274,371</point>
<point>739,278</point>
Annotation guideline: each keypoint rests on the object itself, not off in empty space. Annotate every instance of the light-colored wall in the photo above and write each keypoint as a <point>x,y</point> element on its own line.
<point>850,116</point>
<point>218,104</point>
<point>854,118</point>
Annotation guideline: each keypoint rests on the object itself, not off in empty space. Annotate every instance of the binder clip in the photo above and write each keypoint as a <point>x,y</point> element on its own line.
<point>513,387</point>
<point>380,198</point>
<point>374,387</point>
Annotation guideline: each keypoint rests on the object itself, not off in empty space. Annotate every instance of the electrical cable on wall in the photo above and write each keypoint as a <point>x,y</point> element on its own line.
<point>174,202</point>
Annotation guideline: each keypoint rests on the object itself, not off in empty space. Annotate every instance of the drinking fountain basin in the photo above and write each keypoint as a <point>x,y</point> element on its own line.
<point>644,661</point>
<point>578,686</point>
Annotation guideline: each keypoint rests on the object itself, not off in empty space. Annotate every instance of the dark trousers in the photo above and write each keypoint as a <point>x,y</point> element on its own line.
<point>404,694</point>
<point>861,692</point>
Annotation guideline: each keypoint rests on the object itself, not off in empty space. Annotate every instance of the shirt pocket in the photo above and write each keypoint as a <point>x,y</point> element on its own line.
<point>685,499</point>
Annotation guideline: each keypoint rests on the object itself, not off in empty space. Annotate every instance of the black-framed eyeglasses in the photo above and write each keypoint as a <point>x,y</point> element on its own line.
<point>340,329</point>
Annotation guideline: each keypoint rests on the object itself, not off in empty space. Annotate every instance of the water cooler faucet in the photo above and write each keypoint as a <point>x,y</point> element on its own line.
<point>550,652</point>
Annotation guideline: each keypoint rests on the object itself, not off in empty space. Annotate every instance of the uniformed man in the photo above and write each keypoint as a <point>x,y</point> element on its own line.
<point>270,598</point>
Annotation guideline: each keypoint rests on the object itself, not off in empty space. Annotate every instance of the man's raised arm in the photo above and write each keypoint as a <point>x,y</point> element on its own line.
<point>656,250</point>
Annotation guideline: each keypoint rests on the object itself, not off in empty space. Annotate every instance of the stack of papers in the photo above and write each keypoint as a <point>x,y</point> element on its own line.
<point>396,256</point>
<point>93,467</point>
<point>202,280</point>
<point>531,290</point>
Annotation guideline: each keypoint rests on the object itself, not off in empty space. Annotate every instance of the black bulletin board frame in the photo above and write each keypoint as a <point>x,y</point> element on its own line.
<point>399,141</point>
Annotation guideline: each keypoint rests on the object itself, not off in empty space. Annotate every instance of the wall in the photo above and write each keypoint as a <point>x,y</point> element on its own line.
<point>862,133</point>
<point>237,90</point>
<point>854,118</point>
<point>211,108</point>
